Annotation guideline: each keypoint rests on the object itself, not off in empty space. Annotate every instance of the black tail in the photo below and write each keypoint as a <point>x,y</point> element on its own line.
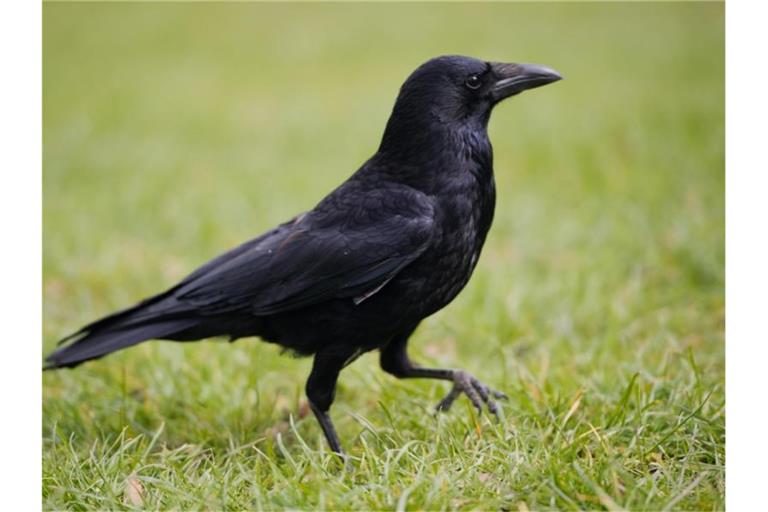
<point>152,319</point>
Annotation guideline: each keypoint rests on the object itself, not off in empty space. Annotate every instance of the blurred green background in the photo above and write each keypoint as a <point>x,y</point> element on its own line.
<point>175,131</point>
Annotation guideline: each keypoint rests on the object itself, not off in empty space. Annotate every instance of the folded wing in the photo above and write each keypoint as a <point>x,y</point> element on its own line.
<point>323,254</point>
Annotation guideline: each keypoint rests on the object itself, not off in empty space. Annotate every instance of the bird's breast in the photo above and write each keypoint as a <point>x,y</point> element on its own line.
<point>464,215</point>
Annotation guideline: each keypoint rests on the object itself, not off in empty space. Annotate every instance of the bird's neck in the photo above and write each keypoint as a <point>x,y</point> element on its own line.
<point>415,133</point>
<point>427,155</point>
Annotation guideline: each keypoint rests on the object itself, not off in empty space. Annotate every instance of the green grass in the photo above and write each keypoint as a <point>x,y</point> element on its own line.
<point>175,131</point>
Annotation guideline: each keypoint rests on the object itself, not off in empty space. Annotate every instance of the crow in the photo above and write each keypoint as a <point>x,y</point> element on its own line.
<point>393,244</point>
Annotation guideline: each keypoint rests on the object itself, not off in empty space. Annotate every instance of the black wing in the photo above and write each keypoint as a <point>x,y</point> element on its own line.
<point>351,245</point>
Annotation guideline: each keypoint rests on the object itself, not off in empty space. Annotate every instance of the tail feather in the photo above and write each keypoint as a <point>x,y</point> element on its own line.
<point>147,310</point>
<point>93,343</point>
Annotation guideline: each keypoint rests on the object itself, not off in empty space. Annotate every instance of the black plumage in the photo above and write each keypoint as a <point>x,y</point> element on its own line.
<point>393,244</point>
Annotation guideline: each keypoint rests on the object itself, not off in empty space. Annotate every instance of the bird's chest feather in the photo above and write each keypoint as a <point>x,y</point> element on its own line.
<point>465,206</point>
<point>465,218</point>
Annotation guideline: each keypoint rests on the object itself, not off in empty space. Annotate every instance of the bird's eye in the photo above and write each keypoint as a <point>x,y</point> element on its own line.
<point>473,82</point>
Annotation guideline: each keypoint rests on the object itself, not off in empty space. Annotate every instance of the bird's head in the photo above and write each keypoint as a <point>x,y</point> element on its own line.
<point>461,91</point>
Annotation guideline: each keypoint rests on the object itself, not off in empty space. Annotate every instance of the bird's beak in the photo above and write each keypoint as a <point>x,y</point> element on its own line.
<point>513,79</point>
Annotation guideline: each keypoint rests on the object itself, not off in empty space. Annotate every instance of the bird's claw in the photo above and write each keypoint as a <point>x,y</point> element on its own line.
<point>477,392</point>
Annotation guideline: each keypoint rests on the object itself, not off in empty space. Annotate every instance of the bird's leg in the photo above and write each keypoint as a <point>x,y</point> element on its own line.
<point>321,390</point>
<point>394,359</point>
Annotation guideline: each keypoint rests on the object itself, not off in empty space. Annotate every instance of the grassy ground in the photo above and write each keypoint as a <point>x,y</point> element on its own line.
<point>174,131</point>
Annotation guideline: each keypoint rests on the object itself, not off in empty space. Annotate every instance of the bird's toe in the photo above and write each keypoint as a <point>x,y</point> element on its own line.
<point>478,393</point>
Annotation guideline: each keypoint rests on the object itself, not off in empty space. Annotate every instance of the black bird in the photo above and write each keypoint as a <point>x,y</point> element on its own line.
<point>392,245</point>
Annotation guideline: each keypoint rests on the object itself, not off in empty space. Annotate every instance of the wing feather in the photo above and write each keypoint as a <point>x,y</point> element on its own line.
<point>324,254</point>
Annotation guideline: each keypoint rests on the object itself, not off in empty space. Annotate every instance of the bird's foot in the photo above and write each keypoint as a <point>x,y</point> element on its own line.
<point>477,392</point>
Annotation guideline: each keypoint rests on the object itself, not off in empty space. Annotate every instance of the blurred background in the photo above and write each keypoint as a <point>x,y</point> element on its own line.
<point>175,131</point>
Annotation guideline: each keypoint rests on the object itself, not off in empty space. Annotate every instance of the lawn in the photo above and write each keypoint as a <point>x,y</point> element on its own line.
<point>175,131</point>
